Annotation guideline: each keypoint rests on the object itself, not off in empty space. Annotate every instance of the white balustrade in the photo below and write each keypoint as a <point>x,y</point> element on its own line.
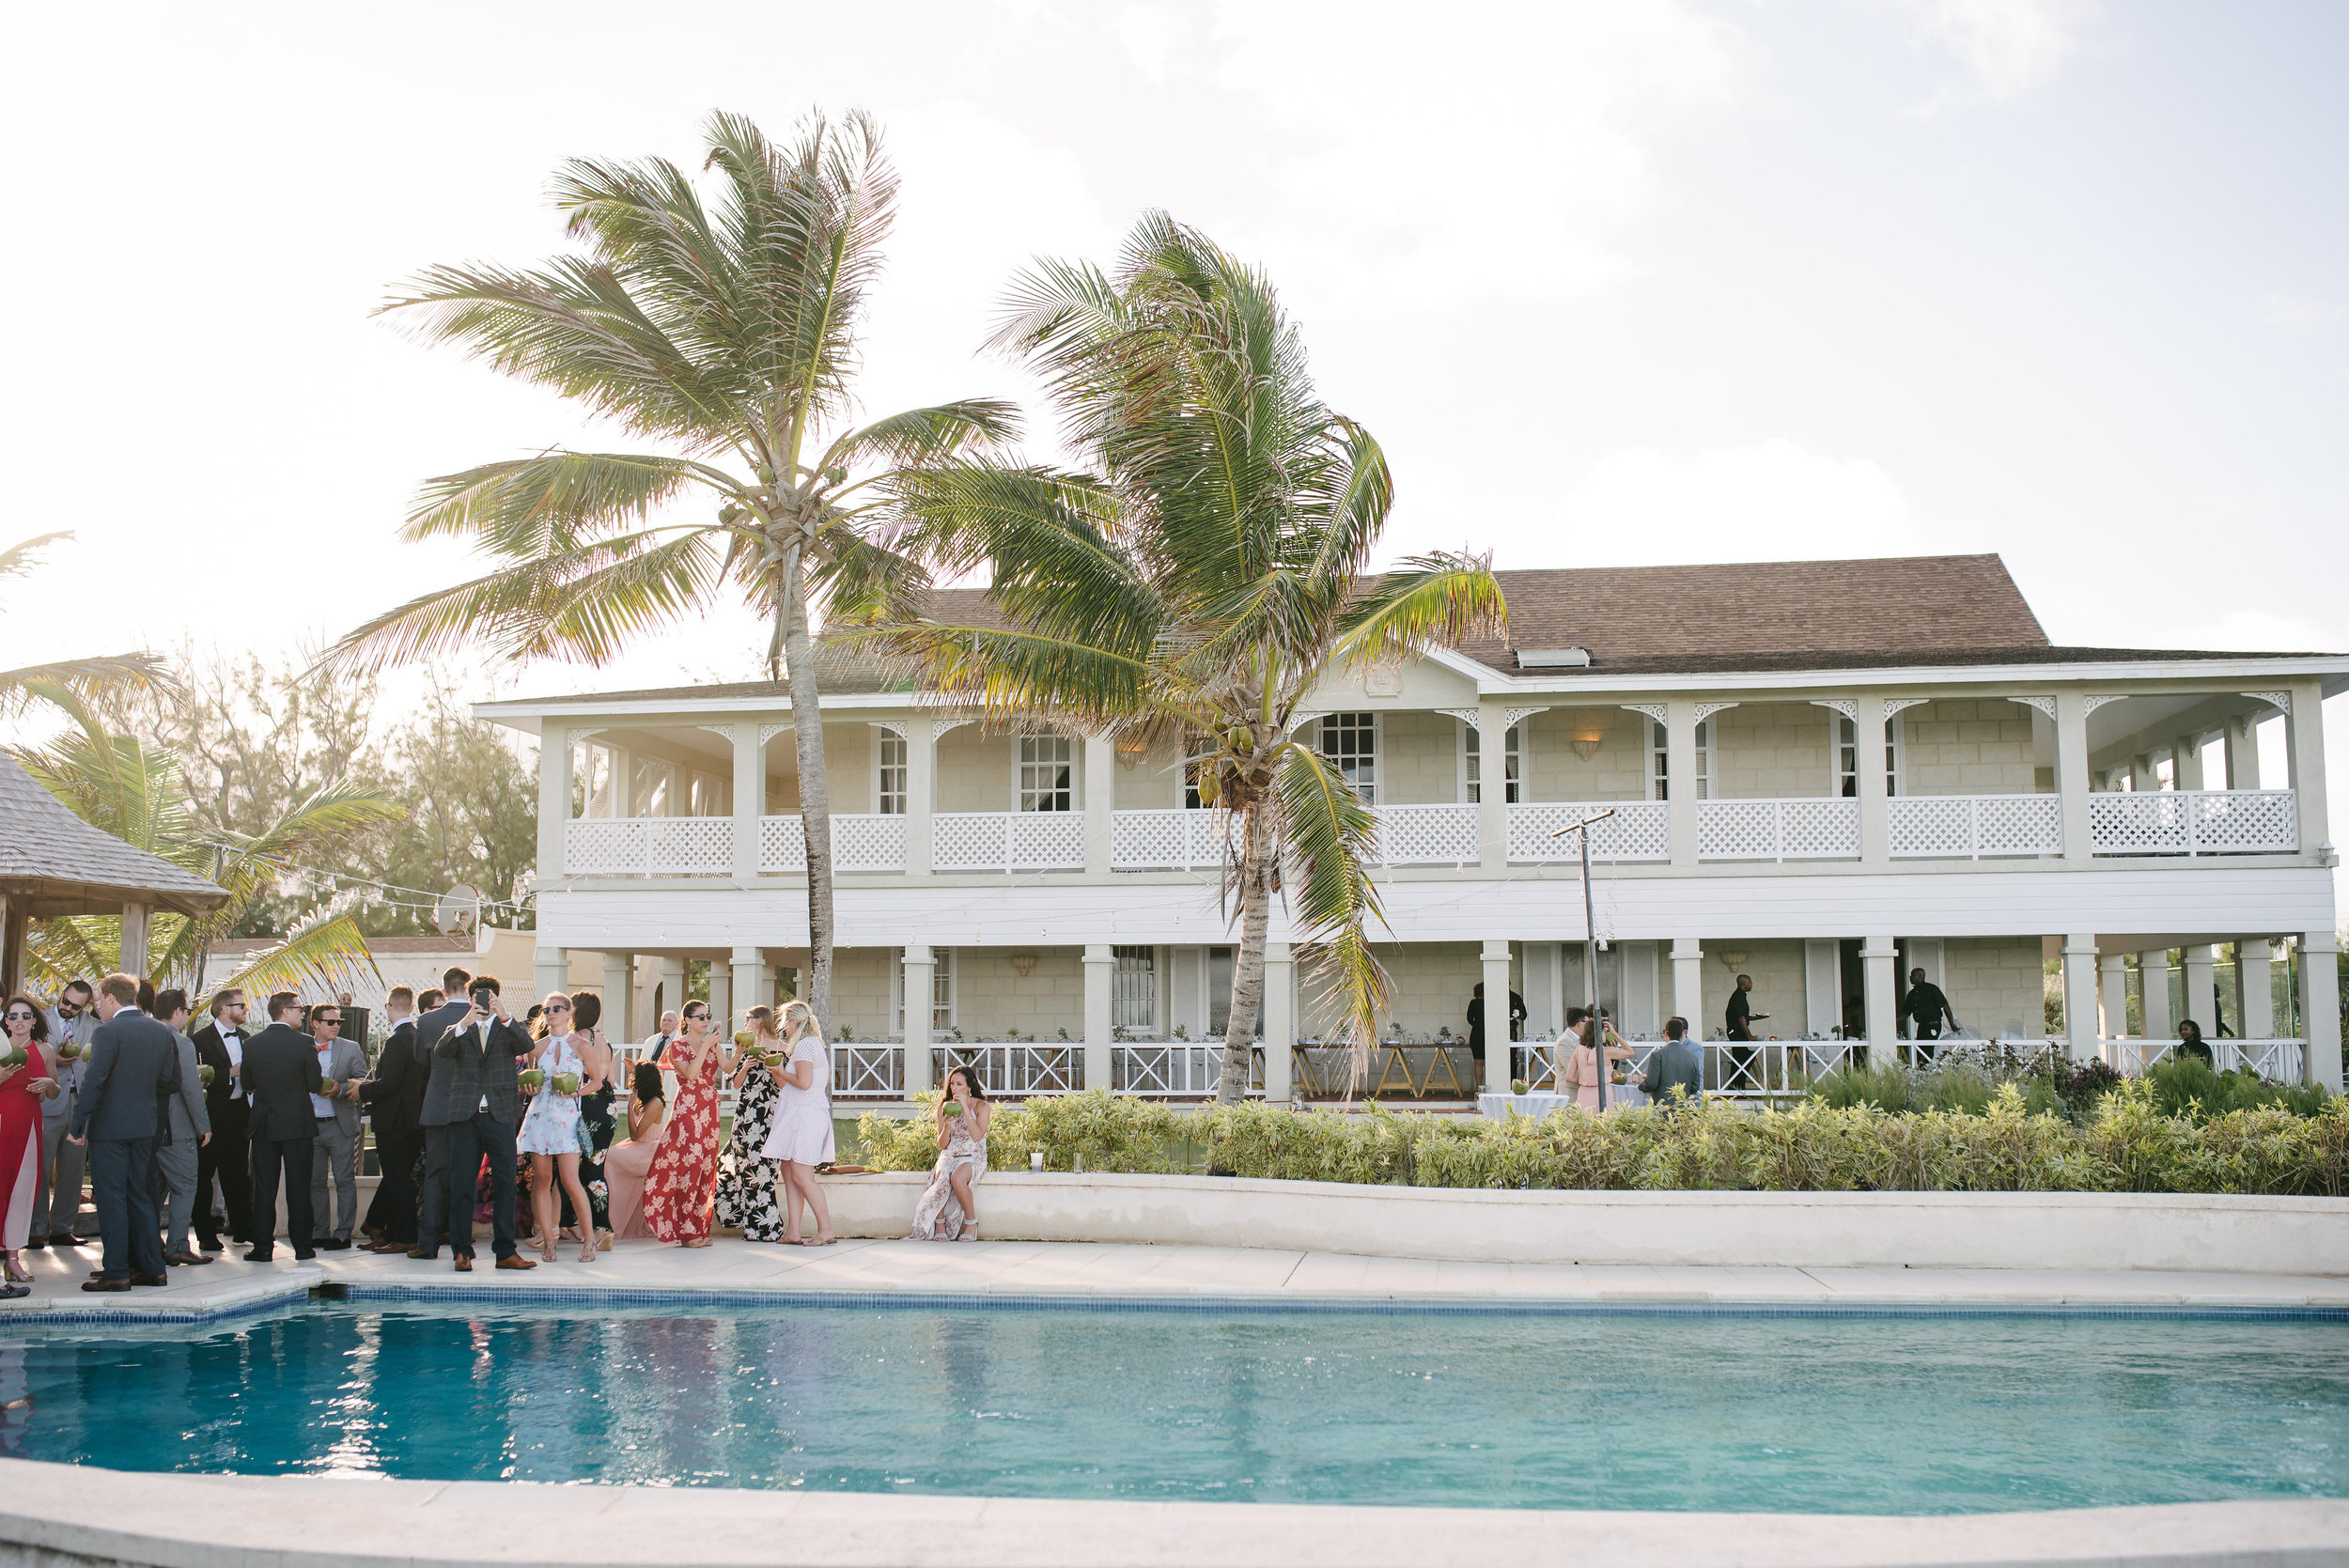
<point>2194,822</point>
<point>1968,826</point>
<point>1017,1068</point>
<point>648,847</point>
<point>1167,839</point>
<point>1008,841</point>
<point>867,1072</point>
<point>1425,836</point>
<point>859,842</point>
<point>2280,1060</point>
<point>1823,828</point>
<point>1639,830</point>
<point>1176,1068</point>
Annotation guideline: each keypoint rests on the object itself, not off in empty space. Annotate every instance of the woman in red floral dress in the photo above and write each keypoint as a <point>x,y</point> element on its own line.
<point>682,1184</point>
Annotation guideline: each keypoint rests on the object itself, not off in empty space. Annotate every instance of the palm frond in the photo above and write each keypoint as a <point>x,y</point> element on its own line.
<point>329,953</point>
<point>1436,601</point>
<point>19,558</point>
<point>919,436</point>
<point>83,679</point>
<point>1327,828</point>
<point>555,502</point>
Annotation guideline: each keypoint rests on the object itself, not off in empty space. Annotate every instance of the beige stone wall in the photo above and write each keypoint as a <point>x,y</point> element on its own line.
<point>1966,748</point>
<point>1155,783</point>
<point>1616,771</point>
<point>848,772</point>
<point>1779,989</point>
<point>1430,984</point>
<point>976,770</point>
<point>1419,759</point>
<point>993,998</point>
<point>1771,750</point>
<point>1995,981</point>
<point>860,990</point>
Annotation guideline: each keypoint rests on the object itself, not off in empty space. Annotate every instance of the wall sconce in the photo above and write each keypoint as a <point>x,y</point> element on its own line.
<point>1586,742</point>
<point>1735,961</point>
<point>1023,964</point>
<point>1129,751</point>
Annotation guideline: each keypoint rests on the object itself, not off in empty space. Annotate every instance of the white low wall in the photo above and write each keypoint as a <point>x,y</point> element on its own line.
<point>1800,1229</point>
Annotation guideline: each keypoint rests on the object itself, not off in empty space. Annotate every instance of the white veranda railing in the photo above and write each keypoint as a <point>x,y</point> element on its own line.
<point>2282,1061</point>
<point>867,1072</point>
<point>861,841</point>
<point>648,847</point>
<point>1008,841</point>
<point>1176,1068</point>
<point>1425,836</point>
<point>2194,822</point>
<point>1968,826</point>
<point>1813,829</point>
<point>1017,1068</point>
<point>1167,839</point>
<point>1639,830</point>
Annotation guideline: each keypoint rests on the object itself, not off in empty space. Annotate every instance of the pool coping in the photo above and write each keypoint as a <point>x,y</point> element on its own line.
<point>96,1517</point>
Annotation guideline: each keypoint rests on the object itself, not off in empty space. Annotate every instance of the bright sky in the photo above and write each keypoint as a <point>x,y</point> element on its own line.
<point>1621,282</point>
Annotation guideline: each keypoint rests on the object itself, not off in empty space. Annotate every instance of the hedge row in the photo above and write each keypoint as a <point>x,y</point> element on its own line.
<point>2128,1145</point>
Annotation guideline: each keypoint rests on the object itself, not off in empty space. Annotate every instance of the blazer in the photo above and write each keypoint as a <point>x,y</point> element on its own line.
<point>394,1093</point>
<point>189,1119</point>
<point>1678,1064</point>
<point>281,1067</point>
<point>134,1062</point>
<point>432,1108</point>
<point>482,1069</point>
<point>214,1052</point>
<point>67,1074</point>
<point>346,1064</point>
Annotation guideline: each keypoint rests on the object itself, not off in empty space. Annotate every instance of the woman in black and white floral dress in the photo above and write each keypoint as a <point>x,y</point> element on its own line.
<point>746,1178</point>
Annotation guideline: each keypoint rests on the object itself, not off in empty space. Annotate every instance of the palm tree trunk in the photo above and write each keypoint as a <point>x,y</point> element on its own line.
<point>807,734</point>
<point>1255,910</point>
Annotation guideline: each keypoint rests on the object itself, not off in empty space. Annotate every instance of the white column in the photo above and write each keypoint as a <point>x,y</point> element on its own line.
<point>1101,970</point>
<point>672,991</point>
<point>1688,984</point>
<point>921,792</point>
<point>2112,971</point>
<point>1680,773</point>
<point>554,801</point>
<point>1280,1023</point>
<point>749,965</point>
<point>1101,799</point>
<point>2320,1007</point>
<point>2254,960</point>
<point>550,971</point>
<point>2201,960</point>
<point>2185,766</point>
<point>1875,830</point>
<point>920,980</point>
<point>2243,750</point>
<point>2080,1028</point>
<point>623,784</point>
<point>750,799</point>
<point>619,968</point>
<point>2304,730</point>
<point>2071,782</point>
<point>2143,778</point>
<point>2153,972</point>
<point>1492,804</point>
<point>1497,1050</point>
<point>722,1018</point>
<point>1878,957</point>
<point>134,919</point>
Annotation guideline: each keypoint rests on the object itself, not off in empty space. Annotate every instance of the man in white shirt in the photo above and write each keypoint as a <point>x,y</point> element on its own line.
<point>228,1157</point>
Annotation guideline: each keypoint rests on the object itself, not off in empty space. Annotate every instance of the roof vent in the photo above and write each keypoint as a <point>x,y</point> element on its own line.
<point>1553,659</point>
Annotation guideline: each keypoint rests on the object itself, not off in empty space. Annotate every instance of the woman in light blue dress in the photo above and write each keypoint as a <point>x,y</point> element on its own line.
<point>550,1132</point>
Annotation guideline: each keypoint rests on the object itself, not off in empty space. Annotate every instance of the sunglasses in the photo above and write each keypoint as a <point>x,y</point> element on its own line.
<point>559,1007</point>
<point>18,1018</point>
<point>68,1008</point>
<point>326,1023</point>
<point>695,1017</point>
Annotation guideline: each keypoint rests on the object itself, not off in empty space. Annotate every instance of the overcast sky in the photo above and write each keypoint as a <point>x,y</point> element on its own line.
<point>1613,283</point>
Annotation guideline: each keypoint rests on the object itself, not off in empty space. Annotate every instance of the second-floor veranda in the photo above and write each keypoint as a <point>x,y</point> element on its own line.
<point>2106,764</point>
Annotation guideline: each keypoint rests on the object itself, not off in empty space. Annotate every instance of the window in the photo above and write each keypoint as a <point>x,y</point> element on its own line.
<point>941,991</point>
<point>1660,761</point>
<point>1134,990</point>
<point>1511,760</point>
<point>889,783</point>
<point>594,791</point>
<point>706,795</point>
<point>1847,780</point>
<point>1349,740</point>
<point>1047,777</point>
<point>656,788</point>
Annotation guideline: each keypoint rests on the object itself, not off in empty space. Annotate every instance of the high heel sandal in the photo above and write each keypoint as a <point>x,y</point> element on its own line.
<point>970,1230</point>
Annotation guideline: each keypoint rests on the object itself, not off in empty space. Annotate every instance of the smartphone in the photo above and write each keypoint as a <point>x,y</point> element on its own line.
<point>485,999</point>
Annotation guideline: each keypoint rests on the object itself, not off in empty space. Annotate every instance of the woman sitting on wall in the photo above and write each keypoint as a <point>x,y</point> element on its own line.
<point>627,1163</point>
<point>947,1211</point>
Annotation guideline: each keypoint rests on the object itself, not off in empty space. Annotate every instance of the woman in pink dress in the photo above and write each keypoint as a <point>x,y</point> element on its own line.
<point>22,1088</point>
<point>627,1163</point>
<point>682,1186</point>
<point>1578,1068</point>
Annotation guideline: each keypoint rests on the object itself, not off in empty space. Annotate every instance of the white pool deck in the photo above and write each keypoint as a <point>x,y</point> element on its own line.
<point>1109,1270</point>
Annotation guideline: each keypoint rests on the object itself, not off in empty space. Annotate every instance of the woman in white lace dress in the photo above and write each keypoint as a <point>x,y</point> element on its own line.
<point>549,1133</point>
<point>961,1162</point>
<point>801,1134</point>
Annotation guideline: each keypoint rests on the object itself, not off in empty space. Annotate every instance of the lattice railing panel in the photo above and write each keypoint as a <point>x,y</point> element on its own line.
<point>2018,824</point>
<point>1639,830</point>
<point>781,845</point>
<point>970,840</point>
<point>1425,836</point>
<point>1737,829</point>
<point>604,847</point>
<point>2194,822</point>
<point>1967,826</point>
<point>1015,1069</point>
<point>1824,828</point>
<point>861,1071</point>
<point>1818,830</point>
<point>2151,822</point>
<point>1047,840</point>
<point>1150,840</point>
<point>868,842</point>
<point>688,845</point>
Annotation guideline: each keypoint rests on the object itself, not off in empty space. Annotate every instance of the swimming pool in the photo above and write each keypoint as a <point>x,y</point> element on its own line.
<point>1896,1414</point>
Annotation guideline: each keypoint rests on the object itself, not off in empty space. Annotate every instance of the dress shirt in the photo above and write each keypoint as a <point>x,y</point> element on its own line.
<point>320,1106</point>
<point>232,1041</point>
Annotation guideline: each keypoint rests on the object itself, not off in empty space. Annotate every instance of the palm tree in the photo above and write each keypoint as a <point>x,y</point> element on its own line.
<point>727,333</point>
<point>136,793</point>
<point>1200,584</point>
<point>81,678</point>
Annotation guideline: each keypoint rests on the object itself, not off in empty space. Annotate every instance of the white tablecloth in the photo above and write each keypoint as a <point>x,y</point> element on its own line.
<point>1541,1101</point>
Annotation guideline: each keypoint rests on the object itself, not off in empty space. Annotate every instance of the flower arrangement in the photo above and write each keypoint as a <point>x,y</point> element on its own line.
<point>531,1079</point>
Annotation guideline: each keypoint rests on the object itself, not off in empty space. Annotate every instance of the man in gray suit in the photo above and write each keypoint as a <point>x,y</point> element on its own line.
<point>134,1062</point>
<point>341,1064</point>
<point>191,1129</point>
<point>1678,1067</point>
<point>57,1200</point>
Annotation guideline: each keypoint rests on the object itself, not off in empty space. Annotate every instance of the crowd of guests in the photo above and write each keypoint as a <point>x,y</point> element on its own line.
<point>536,1126</point>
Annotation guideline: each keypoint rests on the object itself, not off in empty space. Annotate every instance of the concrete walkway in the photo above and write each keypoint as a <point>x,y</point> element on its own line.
<point>730,1268</point>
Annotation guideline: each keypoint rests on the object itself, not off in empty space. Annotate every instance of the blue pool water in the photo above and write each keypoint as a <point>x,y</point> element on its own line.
<point>1891,1414</point>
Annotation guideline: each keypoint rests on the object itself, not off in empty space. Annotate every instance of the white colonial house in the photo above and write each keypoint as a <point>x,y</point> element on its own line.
<point>1822,774</point>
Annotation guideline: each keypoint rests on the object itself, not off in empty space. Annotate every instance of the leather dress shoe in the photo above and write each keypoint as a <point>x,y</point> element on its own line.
<point>432,1256</point>
<point>464,1263</point>
<point>303,1257</point>
<point>257,1256</point>
<point>391,1248</point>
<point>516,1263</point>
<point>149,1279</point>
<point>68,1239</point>
<point>333,1244</point>
<point>106,1284</point>
<point>183,1258</point>
<point>38,1244</point>
<point>212,1244</point>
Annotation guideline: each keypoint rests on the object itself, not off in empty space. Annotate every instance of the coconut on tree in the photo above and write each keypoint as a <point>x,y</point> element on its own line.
<point>723,331</point>
<point>1198,582</point>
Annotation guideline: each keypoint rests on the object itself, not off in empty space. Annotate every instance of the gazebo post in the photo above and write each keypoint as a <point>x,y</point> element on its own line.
<point>134,918</point>
<point>14,922</point>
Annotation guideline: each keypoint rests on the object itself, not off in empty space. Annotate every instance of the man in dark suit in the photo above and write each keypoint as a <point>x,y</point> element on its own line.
<point>134,1063</point>
<point>220,1045</point>
<point>281,1071</point>
<point>432,1115</point>
<point>393,1096</point>
<point>481,1104</point>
